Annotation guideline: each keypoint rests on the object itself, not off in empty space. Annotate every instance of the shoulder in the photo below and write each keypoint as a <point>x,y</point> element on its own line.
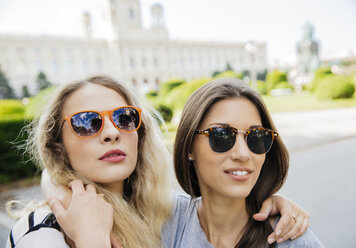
<point>182,210</point>
<point>36,229</point>
<point>308,239</point>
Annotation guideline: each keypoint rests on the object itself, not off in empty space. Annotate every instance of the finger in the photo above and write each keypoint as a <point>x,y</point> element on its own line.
<point>90,188</point>
<point>57,208</point>
<point>284,225</point>
<point>285,230</point>
<point>303,229</point>
<point>265,210</point>
<point>293,232</point>
<point>77,186</point>
<point>114,242</point>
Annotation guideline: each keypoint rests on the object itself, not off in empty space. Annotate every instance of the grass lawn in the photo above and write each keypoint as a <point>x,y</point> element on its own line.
<point>304,101</point>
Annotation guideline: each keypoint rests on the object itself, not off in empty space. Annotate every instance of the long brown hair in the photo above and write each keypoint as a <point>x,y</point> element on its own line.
<point>142,209</point>
<point>273,172</point>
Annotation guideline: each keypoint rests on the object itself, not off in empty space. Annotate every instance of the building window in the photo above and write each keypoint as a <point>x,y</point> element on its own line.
<point>39,65</point>
<point>85,65</point>
<point>145,80</point>
<point>55,66</point>
<point>132,63</point>
<point>99,64</point>
<point>70,65</point>
<point>134,82</point>
<point>155,62</point>
<point>132,14</point>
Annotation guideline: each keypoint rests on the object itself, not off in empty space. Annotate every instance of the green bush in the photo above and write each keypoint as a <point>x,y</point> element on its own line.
<point>11,107</point>
<point>284,85</point>
<point>261,87</point>
<point>168,86</point>
<point>13,163</point>
<point>178,96</point>
<point>335,87</point>
<point>152,94</point>
<point>165,111</point>
<point>229,74</point>
<point>274,78</point>
<point>319,74</point>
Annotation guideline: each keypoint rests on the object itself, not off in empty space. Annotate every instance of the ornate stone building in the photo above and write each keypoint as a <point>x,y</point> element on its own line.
<point>127,51</point>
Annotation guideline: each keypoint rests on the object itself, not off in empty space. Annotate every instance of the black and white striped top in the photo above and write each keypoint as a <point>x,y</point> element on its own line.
<point>37,229</point>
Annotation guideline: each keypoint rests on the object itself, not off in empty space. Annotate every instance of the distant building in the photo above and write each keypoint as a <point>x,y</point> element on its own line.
<point>129,53</point>
<point>307,57</point>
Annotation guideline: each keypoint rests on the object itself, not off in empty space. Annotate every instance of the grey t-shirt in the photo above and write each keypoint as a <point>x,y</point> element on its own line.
<point>183,229</point>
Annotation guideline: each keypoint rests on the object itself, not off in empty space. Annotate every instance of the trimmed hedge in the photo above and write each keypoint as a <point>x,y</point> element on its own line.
<point>165,111</point>
<point>335,87</point>
<point>179,95</point>
<point>274,78</point>
<point>168,86</point>
<point>319,75</point>
<point>13,163</point>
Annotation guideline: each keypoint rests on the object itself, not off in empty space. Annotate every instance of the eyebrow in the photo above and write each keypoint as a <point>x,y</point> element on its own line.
<point>228,125</point>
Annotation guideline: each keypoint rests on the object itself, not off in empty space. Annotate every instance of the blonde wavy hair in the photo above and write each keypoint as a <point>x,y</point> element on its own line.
<point>142,209</point>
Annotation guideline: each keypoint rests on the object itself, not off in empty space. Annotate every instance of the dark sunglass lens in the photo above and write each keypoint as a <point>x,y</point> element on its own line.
<point>86,124</point>
<point>126,119</point>
<point>259,141</point>
<point>222,139</point>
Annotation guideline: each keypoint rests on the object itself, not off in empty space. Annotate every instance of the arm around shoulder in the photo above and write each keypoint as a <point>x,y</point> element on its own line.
<point>307,240</point>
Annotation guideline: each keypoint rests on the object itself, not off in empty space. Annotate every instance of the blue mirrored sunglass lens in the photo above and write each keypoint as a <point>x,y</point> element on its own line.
<point>126,119</point>
<point>86,124</point>
<point>259,141</point>
<point>222,139</point>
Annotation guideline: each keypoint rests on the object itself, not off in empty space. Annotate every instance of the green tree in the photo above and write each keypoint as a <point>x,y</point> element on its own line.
<point>6,92</point>
<point>25,91</point>
<point>42,81</point>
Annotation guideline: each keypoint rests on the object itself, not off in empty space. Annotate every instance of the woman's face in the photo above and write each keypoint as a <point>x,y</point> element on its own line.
<point>87,155</point>
<point>215,170</point>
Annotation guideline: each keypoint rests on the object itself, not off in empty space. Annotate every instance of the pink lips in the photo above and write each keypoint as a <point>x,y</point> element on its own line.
<point>113,156</point>
<point>239,178</point>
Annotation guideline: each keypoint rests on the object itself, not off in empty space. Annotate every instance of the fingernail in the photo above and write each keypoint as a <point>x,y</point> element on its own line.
<point>271,240</point>
<point>278,232</point>
<point>279,241</point>
<point>294,237</point>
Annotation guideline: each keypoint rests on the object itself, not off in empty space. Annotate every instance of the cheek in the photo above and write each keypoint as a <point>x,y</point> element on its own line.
<point>258,161</point>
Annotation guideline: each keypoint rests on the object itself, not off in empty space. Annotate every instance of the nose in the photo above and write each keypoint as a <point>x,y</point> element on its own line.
<point>240,150</point>
<point>109,133</point>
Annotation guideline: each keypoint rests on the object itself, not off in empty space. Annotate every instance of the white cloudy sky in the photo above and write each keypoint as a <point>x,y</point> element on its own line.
<point>278,22</point>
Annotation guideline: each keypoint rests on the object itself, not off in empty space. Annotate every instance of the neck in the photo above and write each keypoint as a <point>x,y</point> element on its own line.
<point>222,219</point>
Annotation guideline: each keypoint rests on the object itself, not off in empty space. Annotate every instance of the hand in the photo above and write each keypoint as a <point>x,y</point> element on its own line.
<point>50,188</point>
<point>88,221</point>
<point>287,227</point>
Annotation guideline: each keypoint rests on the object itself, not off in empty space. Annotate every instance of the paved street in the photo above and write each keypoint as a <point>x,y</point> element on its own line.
<point>322,181</point>
<point>322,146</point>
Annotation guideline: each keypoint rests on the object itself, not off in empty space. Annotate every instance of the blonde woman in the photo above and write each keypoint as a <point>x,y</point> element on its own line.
<point>97,131</point>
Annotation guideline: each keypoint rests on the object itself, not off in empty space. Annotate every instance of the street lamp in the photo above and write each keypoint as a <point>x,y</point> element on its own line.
<point>251,49</point>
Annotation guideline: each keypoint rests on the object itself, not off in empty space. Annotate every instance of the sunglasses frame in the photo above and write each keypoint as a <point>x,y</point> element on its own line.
<point>102,115</point>
<point>237,131</point>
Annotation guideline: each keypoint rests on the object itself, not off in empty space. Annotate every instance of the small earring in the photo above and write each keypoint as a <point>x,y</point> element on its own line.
<point>190,158</point>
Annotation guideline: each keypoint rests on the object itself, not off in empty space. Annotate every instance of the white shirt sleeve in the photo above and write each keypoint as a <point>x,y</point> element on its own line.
<point>33,230</point>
